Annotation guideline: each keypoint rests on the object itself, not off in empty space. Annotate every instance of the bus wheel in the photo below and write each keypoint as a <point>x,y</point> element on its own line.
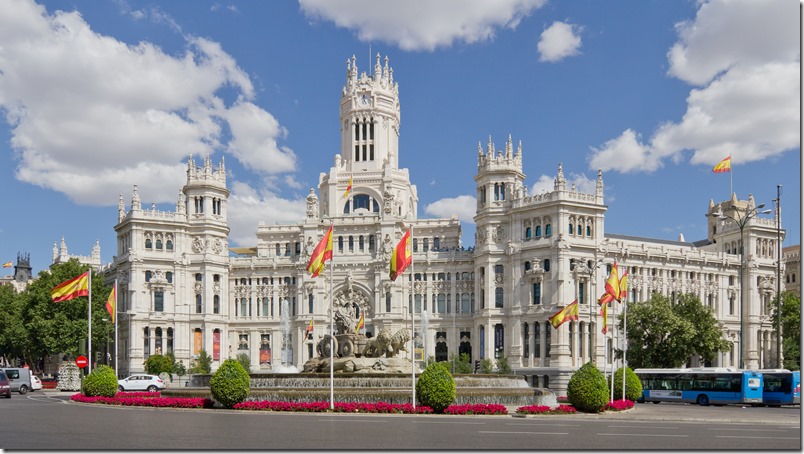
<point>703,400</point>
<point>655,401</point>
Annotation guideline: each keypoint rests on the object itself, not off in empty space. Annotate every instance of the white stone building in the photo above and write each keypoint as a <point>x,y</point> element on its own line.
<point>182,289</point>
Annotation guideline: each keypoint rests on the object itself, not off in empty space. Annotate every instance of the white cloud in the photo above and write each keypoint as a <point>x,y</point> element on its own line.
<point>559,41</point>
<point>546,183</point>
<point>743,60</point>
<point>422,24</point>
<point>248,206</point>
<point>90,114</point>
<point>463,206</point>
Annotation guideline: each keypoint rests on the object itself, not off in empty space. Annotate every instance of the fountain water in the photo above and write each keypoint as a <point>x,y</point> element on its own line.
<point>287,343</point>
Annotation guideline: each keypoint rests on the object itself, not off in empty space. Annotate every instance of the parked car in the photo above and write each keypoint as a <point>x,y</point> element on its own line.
<point>20,379</point>
<point>150,383</point>
<point>5,385</point>
<point>36,383</point>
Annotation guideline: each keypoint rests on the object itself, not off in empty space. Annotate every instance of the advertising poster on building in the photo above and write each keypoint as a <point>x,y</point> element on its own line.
<point>196,342</point>
<point>216,345</point>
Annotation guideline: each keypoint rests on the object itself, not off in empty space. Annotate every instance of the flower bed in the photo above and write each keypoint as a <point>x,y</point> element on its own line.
<point>170,402</point>
<point>545,410</point>
<point>476,409</point>
<point>339,407</point>
<point>143,394</point>
<point>619,405</point>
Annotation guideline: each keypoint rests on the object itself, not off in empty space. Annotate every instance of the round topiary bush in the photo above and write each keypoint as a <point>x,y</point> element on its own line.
<point>633,386</point>
<point>587,390</point>
<point>230,384</point>
<point>156,364</point>
<point>435,387</point>
<point>101,382</point>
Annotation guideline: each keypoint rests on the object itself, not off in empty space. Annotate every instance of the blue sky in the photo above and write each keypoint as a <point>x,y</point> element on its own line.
<point>97,96</point>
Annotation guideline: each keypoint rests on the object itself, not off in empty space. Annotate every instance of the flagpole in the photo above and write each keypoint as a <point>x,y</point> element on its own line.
<point>331,336</point>
<point>413,324</point>
<point>614,342</point>
<point>625,340</point>
<point>731,184</point>
<point>89,318</point>
<point>115,327</point>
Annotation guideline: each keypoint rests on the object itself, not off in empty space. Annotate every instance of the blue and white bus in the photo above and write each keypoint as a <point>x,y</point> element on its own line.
<point>781,387</point>
<point>701,385</point>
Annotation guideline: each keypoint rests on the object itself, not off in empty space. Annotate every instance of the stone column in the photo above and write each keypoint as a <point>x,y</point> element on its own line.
<point>532,344</point>
<point>542,344</point>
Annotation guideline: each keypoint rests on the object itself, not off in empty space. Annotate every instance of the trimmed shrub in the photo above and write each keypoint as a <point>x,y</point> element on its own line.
<point>587,390</point>
<point>462,364</point>
<point>230,384</point>
<point>101,382</point>
<point>486,366</point>
<point>633,386</point>
<point>156,364</point>
<point>435,387</point>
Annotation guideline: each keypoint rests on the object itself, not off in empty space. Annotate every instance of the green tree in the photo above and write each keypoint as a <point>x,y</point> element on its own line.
<point>460,365</point>
<point>486,366</point>
<point>156,364</point>
<point>230,384</point>
<point>791,329</point>
<point>244,361</point>
<point>14,338</point>
<point>662,334</point>
<point>202,364</point>
<point>503,368</point>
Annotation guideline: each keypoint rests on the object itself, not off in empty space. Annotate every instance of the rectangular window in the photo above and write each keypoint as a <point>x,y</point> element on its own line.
<point>159,301</point>
<point>537,293</point>
<point>537,349</point>
<point>581,293</point>
<point>388,302</point>
<point>310,303</point>
<point>498,297</point>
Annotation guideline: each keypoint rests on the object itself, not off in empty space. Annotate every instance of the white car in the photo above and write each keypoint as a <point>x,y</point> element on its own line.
<point>36,383</point>
<point>150,383</point>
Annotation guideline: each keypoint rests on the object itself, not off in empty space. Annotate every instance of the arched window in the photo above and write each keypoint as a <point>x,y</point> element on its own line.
<point>340,244</point>
<point>538,231</point>
<point>570,229</point>
<point>351,243</point>
<point>580,231</point>
<point>198,303</point>
<point>361,201</point>
<point>527,266</point>
<point>148,243</point>
<point>527,232</point>
<point>169,245</point>
<point>547,230</point>
<point>361,243</point>
<point>148,275</point>
<point>278,250</point>
<point>216,304</point>
<point>546,265</point>
<point>588,230</point>
<point>169,277</point>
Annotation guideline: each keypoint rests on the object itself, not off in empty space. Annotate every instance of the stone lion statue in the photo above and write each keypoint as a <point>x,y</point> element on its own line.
<point>378,346</point>
<point>386,344</point>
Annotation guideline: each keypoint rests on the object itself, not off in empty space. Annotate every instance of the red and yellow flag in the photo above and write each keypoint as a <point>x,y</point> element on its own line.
<point>613,283</point>
<point>401,257</point>
<point>111,303</point>
<point>605,299</point>
<point>348,189</point>
<point>723,166</point>
<point>309,329</point>
<point>73,288</point>
<point>321,254</point>
<point>604,311</point>
<point>568,313</point>
<point>7,265</point>
<point>360,323</point>
<point>623,286</point>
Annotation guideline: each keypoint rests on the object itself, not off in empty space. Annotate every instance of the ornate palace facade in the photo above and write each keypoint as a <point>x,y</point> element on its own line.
<point>182,289</point>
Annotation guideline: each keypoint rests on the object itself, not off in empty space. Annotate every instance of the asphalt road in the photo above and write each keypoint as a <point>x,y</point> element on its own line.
<point>48,421</point>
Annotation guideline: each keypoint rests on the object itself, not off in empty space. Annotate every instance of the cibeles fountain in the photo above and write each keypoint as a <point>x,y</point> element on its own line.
<point>350,349</point>
<point>366,369</point>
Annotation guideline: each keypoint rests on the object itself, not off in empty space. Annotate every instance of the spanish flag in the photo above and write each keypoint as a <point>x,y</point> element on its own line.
<point>568,313</point>
<point>348,189</point>
<point>73,288</point>
<point>111,303</point>
<point>321,254</point>
<point>360,323</point>
<point>7,265</point>
<point>723,166</point>
<point>605,299</point>
<point>604,311</point>
<point>623,286</point>
<point>309,329</point>
<point>613,283</point>
<point>401,257</point>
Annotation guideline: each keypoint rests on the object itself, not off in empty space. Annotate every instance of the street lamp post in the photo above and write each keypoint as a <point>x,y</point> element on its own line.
<point>741,222</point>
<point>778,276</point>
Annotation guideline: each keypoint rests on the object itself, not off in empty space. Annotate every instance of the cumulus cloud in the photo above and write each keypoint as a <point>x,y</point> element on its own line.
<point>743,60</point>
<point>248,206</point>
<point>583,184</point>
<point>559,41</point>
<point>463,206</point>
<point>89,114</point>
<point>422,24</point>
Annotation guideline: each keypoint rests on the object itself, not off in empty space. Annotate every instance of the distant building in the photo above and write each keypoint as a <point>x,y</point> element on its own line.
<point>60,255</point>
<point>792,269</point>
<point>180,291</point>
<point>22,273</point>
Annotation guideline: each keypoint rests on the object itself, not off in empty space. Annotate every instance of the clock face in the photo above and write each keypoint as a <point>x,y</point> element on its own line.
<point>364,100</point>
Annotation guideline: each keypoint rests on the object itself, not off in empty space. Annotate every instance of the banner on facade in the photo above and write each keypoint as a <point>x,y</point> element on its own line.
<point>196,342</point>
<point>216,345</point>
